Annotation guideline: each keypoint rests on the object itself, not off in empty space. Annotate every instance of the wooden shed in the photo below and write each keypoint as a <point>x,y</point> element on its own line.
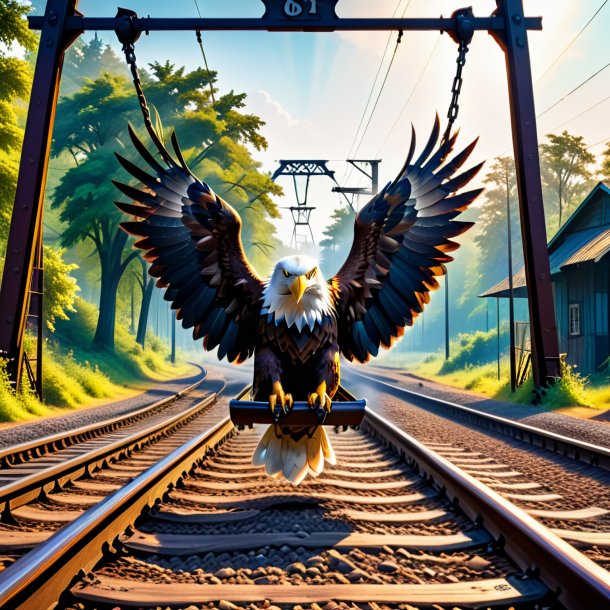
<point>580,273</point>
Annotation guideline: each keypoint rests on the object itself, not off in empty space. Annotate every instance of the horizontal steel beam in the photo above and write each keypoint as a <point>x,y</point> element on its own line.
<point>153,24</point>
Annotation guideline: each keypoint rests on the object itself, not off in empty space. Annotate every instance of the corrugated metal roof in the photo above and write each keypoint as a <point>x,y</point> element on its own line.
<point>580,247</point>
<point>591,251</point>
<point>600,187</point>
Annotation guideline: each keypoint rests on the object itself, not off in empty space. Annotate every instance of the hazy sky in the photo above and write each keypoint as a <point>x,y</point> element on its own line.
<point>311,89</point>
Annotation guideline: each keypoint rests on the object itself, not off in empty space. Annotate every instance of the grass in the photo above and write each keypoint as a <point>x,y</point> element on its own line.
<point>77,374</point>
<point>573,389</point>
<point>128,362</point>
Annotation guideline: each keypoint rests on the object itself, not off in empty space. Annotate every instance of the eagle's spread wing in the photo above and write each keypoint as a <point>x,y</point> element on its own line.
<point>401,240</point>
<point>192,238</point>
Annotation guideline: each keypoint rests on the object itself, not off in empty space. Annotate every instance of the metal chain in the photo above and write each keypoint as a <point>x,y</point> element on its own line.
<point>454,107</point>
<point>205,61</point>
<point>130,57</point>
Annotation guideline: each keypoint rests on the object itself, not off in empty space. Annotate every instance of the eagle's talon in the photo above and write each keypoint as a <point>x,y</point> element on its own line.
<point>320,398</point>
<point>285,400</point>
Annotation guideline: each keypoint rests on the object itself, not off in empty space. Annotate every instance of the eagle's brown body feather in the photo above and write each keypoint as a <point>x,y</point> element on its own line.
<point>301,360</point>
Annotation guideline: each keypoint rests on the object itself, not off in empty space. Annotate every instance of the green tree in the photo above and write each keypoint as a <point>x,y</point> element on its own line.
<point>15,79</point>
<point>605,166</point>
<point>491,236</point>
<point>88,60</point>
<point>60,287</point>
<point>339,235</point>
<point>565,163</point>
<point>91,125</point>
<point>146,285</point>
<point>85,194</point>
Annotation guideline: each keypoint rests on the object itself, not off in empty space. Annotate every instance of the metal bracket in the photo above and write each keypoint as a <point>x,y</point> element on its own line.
<point>126,31</point>
<point>464,25</point>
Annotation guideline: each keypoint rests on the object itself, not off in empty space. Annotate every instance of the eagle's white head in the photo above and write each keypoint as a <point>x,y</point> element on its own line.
<point>296,293</point>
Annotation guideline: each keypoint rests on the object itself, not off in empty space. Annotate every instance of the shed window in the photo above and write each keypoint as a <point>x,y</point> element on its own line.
<point>574,319</point>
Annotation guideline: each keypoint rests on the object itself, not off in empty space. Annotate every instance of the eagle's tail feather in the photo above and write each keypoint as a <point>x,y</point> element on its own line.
<point>293,455</point>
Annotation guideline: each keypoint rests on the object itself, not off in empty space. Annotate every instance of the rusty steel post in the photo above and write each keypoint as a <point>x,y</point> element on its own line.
<point>513,41</point>
<point>26,222</point>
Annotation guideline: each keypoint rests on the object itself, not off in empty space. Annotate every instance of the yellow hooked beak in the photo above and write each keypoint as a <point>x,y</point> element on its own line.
<point>298,287</point>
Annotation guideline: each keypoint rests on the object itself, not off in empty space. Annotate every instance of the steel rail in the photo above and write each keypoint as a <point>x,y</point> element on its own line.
<point>18,454</point>
<point>50,479</point>
<point>594,455</point>
<point>151,24</point>
<point>580,583</point>
<point>51,567</point>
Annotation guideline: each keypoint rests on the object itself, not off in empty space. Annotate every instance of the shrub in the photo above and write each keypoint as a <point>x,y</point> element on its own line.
<point>15,406</point>
<point>472,349</point>
<point>60,287</point>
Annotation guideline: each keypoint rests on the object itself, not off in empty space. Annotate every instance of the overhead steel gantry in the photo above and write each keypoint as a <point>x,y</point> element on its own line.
<point>62,24</point>
<point>301,213</point>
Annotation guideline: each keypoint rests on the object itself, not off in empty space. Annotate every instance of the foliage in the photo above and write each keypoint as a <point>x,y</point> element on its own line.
<point>605,165</point>
<point>60,287</point>
<point>13,27</point>
<point>91,118</point>
<point>88,60</point>
<point>339,235</point>
<point>473,349</point>
<point>492,226</point>
<point>92,124</point>
<point>129,362</point>
<point>565,162</point>
<point>20,405</point>
<point>15,81</point>
<point>572,390</point>
<point>68,383</point>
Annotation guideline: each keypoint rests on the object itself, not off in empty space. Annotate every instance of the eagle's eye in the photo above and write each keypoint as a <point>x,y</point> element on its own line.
<point>312,273</point>
<point>286,274</point>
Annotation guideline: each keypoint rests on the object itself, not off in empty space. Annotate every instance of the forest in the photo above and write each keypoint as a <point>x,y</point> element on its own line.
<point>105,324</point>
<point>100,303</point>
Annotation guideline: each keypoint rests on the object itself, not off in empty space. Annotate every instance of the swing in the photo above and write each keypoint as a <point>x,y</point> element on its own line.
<point>244,410</point>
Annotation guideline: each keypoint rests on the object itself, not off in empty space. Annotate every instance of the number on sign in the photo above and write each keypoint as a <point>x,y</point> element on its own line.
<point>292,8</point>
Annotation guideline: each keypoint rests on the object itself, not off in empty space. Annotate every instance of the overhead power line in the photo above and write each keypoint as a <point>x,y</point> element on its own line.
<point>368,101</point>
<point>570,43</point>
<point>602,141</point>
<point>567,95</point>
<point>576,116</point>
<point>410,96</point>
<point>385,78</point>
<point>205,60</point>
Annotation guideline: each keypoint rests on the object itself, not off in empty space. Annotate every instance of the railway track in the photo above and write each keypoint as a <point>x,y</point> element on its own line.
<point>521,462</point>
<point>394,524</point>
<point>34,453</point>
<point>47,491</point>
<point>594,455</point>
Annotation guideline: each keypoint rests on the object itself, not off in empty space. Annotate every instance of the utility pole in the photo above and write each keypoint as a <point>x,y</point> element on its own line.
<point>511,295</point>
<point>373,176</point>
<point>301,212</point>
<point>498,332</point>
<point>446,315</point>
<point>173,317</point>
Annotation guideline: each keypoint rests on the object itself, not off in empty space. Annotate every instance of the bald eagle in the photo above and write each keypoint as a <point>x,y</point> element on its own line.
<point>295,323</point>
